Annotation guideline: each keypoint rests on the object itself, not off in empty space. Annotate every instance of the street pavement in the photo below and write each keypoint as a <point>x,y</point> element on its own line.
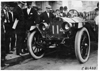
<point>61,61</point>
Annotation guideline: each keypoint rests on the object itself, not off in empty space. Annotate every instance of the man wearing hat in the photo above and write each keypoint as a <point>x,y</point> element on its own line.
<point>19,26</point>
<point>47,15</point>
<point>30,15</point>
<point>11,19</point>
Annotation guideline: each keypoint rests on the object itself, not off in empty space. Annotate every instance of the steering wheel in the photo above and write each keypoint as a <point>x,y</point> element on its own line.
<point>72,13</point>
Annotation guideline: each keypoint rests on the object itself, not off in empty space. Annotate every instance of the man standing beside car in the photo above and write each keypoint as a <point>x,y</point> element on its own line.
<point>47,15</point>
<point>30,16</point>
<point>7,27</point>
<point>3,47</point>
<point>11,18</point>
<point>19,26</point>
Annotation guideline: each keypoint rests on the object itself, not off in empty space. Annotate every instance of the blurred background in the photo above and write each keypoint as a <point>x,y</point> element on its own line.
<point>79,5</point>
<point>71,4</point>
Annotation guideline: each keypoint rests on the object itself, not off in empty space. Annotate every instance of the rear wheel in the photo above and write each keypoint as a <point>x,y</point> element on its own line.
<point>34,48</point>
<point>82,45</point>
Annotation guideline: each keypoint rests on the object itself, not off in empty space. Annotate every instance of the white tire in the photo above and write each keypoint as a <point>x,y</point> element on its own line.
<point>31,46</point>
<point>80,47</point>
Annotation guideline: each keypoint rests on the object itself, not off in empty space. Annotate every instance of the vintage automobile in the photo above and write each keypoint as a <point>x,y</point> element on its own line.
<point>62,31</point>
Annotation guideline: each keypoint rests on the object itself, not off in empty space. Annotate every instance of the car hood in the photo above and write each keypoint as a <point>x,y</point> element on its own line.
<point>73,20</point>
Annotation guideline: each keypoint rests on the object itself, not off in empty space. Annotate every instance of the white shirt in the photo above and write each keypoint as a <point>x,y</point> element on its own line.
<point>48,14</point>
<point>4,11</point>
<point>28,10</point>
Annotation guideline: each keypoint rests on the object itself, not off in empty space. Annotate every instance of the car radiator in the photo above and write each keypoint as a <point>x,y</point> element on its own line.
<point>55,29</point>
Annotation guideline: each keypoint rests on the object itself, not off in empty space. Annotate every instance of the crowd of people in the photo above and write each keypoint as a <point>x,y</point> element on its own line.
<point>16,22</point>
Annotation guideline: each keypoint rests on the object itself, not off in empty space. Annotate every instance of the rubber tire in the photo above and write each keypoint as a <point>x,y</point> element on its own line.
<point>29,43</point>
<point>77,46</point>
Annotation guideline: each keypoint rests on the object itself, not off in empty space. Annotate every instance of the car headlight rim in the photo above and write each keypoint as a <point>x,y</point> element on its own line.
<point>42,27</point>
<point>66,26</point>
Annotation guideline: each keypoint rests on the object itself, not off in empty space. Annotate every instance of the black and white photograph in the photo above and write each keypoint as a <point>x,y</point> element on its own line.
<point>49,35</point>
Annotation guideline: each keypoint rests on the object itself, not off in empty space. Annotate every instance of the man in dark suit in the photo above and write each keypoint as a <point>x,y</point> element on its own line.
<point>11,18</point>
<point>3,47</point>
<point>20,26</point>
<point>39,11</point>
<point>7,27</point>
<point>30,15</point>
<point>47,15</point>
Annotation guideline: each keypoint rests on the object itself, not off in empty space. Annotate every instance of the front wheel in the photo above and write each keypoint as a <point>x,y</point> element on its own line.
<point>82,45</point>
<point>34,48</point>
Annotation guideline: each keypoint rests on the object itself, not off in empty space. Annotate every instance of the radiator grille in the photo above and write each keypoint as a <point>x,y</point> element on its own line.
<point>55,29</point>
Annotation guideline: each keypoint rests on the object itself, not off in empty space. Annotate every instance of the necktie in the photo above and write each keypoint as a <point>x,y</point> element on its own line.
<point>12,16</point>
